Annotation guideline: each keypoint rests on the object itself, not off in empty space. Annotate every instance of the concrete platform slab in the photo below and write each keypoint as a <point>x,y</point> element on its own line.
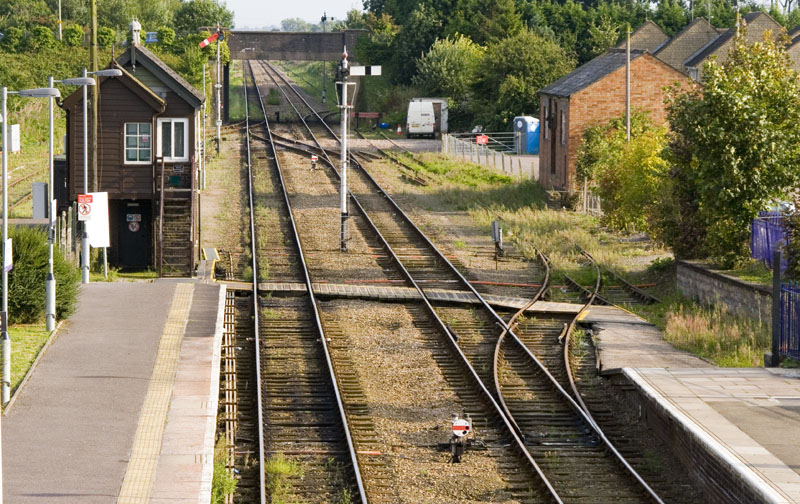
<point>73,429</point>
<point>747,419</point>
<point>626,340</point>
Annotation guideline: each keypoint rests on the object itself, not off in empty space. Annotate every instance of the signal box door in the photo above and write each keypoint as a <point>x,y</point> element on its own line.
<point>135,231</point>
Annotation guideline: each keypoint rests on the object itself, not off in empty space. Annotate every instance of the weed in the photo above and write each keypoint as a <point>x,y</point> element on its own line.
<point>223,483</point>
<point>459,244</point>
<point>278,471</point>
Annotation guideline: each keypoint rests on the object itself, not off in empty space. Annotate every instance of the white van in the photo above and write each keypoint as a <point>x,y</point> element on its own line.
<point>420,119</point>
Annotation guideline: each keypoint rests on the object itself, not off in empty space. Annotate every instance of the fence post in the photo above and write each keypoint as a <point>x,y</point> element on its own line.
<point>775,359</point>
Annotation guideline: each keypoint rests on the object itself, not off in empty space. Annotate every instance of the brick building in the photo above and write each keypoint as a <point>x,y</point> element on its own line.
<point>593,94</point>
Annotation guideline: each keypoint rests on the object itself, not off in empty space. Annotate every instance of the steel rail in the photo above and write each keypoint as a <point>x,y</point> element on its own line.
<point>567,397</point>
<point>512,321</point>
<point>313,299</point>
<point>257,341</point>
<point>442,326</point>
<point>636,291</point>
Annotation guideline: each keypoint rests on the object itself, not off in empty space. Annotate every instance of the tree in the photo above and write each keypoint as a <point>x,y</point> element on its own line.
<point>484,21</point>
<point>735,147</point>
<point>449,68</point>
<point>12,41</point>
<point>514,70</point>
<point>604,35</point>
<point>193,15</point>
<point>73,35</point>
<point>297,25</point>
<point>670,15</point>
<point>105,36</point>
<point>166,36</point>
<point>628,176</point>
<point>41,38</point>
<point>415,38</point>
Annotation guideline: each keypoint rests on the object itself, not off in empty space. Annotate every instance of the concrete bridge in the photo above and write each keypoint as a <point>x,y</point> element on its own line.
<point>296,46</point>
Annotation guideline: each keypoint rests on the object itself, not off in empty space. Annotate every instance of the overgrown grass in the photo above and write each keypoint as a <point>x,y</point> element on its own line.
<point>711,333</point>
<point>26,342</point>
<point>751,271</point>
<point>279,471</point>
<point>308,75</point>
<point>274,96</point>
<point>222,483</point>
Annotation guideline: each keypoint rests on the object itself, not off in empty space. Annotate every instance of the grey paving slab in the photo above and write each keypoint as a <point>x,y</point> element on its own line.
<point>186,461</point>
<point>754,435</point>
<point>625,340</point>
<point>67,438</point>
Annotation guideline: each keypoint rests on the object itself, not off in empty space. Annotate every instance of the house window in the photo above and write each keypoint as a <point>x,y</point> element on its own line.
<point>137,143</point>
<point>173,138</point>
<point>563,128</point>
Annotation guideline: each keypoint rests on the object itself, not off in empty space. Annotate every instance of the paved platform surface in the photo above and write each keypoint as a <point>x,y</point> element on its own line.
<point>77,432</point>
<point>626,340</point>
<point>749,417</point>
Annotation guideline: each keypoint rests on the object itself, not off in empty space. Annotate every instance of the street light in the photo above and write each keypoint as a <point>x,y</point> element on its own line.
<point>86,82</point>
<point>4,338</point>
<point>50,282</point>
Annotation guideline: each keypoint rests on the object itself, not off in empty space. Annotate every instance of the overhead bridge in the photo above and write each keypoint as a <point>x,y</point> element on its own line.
<point>294,46</point>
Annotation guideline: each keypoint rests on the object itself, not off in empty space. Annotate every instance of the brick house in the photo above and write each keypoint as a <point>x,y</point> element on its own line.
<point>592,94</point>
<point>648,37</point>
<point>686,43</point>
<point>756,22</point>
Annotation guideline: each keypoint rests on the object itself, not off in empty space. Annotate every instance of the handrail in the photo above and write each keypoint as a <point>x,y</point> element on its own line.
<point>161,223</point>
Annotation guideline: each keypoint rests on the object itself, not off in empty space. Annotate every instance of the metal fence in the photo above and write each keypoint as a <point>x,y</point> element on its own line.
<point>496,154</point>
<point>789,342</point>
<point>768,233</point>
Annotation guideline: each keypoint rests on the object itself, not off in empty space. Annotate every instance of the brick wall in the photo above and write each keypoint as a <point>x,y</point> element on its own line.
<point>605,99</point>
<point>710,287</point>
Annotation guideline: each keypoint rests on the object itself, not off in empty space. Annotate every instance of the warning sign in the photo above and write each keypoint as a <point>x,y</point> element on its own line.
<point>482,139</point>
<point>84,211</point>
<point>461,427</point>
<point>85,198</point>
<point>133,226</point>
<point>134,217</point>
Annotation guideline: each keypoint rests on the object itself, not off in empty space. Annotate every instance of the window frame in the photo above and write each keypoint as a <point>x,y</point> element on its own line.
<point>563,127</point>
<point>547,120</point>
<point>172,121</point>
<point>138,148</point>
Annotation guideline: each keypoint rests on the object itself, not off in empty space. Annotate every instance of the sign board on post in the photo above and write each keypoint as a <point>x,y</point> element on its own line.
<point>482,139</point>
<point>13,138</point>
<point>97,225</point>
<point>8,256</point>
<point>84,207</point>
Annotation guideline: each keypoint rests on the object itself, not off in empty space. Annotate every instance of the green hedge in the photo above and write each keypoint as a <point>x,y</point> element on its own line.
<point>26,295</point>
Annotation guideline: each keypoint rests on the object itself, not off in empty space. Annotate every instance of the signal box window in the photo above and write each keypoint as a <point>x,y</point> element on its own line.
<point>173,137</point>
<point>138,143</point>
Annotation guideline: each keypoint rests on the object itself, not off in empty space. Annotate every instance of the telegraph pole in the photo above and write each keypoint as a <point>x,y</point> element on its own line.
<point>628,86</point>
<point>95,97</point>
<point>219,87</point>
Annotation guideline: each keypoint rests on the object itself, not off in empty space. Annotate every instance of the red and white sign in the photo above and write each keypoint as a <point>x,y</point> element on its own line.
<point>210,39</point>
<point>461,427</point>
<point>84,207</point>
<point>314,159</point>
<point>482,139</point>
<point>85,198</point>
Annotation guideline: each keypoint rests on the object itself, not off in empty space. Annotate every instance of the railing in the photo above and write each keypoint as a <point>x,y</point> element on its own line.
<point>497,153</point>
<point>160,246</point>
<point>789,342</point>
<point>768,234</point>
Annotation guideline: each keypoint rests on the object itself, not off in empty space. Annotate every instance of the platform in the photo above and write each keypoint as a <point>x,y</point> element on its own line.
<point>122,407</point>
<point>747,419</point>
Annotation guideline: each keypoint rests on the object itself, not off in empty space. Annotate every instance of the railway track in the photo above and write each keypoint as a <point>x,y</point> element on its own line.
<point>573,439</point>
<point>307,450</point>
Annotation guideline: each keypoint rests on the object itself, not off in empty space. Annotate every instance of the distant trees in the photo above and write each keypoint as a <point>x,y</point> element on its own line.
<point>194,14</point>
<point>449,68</point>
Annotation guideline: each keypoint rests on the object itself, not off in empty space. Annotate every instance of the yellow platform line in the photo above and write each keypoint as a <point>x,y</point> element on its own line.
<point>140,474</point>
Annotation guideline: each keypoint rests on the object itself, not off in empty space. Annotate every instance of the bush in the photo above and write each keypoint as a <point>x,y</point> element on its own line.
<point>12,42</point>
<point>73,35</point>
<point>26,292</point>
<point>166,36</point>
<point>105,36</point>
<point>41,38</point>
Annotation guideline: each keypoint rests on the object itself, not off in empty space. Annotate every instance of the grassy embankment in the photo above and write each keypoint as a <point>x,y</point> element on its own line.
<point>710,333</point>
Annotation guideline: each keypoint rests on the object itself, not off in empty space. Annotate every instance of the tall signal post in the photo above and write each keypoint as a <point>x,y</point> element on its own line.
<point>342,72</point>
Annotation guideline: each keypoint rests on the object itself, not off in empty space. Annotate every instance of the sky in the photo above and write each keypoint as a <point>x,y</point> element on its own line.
<point>261,13</point>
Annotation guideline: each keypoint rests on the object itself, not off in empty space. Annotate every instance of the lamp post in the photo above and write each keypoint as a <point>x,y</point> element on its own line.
<point>86,81</point>
<point>4,338</point>
<point>50,282</point>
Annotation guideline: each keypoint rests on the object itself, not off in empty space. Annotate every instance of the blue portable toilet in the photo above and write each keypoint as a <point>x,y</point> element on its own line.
<point>526,134</point>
